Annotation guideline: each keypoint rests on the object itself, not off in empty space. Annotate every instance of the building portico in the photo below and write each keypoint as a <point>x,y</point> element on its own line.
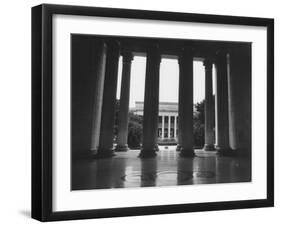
<point>167,121</point>
<point>99,133</point>
<point>170,122</point>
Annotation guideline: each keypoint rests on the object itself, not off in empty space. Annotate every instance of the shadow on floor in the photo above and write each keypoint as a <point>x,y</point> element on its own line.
<point>126,170</point>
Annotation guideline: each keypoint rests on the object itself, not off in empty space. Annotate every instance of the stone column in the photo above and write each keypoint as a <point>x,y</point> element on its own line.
<point>240,93</point>
<point>186,103</point>
<point>151,103</point>
<point>178,139</point>
<point>109,100</point>
<point>163,122</point>
<point>169,126</point>
<point>222,142</point>
<point>209,107</point>
<point>233,141</point>
<point>175,127</point>
<point>98,98</point>
<point>122,136</point>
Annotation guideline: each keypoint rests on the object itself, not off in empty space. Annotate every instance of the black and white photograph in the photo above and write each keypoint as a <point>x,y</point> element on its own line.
<point>148,112</point>
<point>139,112</point>
<point>117,112</point>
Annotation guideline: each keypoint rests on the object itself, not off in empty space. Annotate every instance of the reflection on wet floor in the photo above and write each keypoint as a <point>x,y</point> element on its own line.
<point>167,169</point>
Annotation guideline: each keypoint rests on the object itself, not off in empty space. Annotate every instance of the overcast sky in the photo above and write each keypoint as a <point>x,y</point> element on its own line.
<point>169,80</point>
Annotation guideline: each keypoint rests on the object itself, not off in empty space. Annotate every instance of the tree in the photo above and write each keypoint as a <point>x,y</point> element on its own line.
<point>198,124</point>
<point>134,127</point>
<point>116,118</point>
<point>134,130</point>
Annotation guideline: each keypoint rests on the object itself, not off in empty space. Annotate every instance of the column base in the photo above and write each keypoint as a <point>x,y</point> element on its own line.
<point>209,147</point>
<point>227,151</point>
<point>148,153</point>
<point>121,148</point>
<point>157,147</point>
<point>104,153</point>
<point>187,153</point>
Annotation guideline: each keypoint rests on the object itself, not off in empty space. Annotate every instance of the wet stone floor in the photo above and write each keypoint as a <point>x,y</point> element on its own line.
<point>126,170</point>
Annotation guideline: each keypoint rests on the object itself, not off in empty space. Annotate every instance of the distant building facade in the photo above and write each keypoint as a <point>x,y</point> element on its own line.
<point>167,121</point>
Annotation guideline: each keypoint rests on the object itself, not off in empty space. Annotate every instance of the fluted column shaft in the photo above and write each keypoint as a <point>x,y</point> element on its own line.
<point>222,125</point>
<point>163,122</point>
<point>209,107</point>
<point>233,139</point>
<point>151,103</point>
<point>169,126</point>
<point>240,94</point>
<point>122,135</point>
<point>186,103</point>
<point>99,85</point>
<point>109,100</point>
<point>175,127</point>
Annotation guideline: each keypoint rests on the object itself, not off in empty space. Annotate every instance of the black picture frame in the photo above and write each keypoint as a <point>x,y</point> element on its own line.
<point>42,111</point>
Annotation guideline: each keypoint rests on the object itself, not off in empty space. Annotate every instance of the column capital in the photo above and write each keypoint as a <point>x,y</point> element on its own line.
<point>208,64</point>
<point>127,56</point>
<point>221,56</point>
<point>221,52</point>
<point>154,53</point>
<point>113,45</point>
<point>102,43</point>
<point>187,52</point>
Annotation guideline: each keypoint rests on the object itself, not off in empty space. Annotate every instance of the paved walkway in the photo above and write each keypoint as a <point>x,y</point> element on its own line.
<point>167,169</point>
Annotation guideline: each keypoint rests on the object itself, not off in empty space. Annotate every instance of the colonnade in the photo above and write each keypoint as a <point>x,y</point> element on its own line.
<point>217,127</point>
<point>168,129</point>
